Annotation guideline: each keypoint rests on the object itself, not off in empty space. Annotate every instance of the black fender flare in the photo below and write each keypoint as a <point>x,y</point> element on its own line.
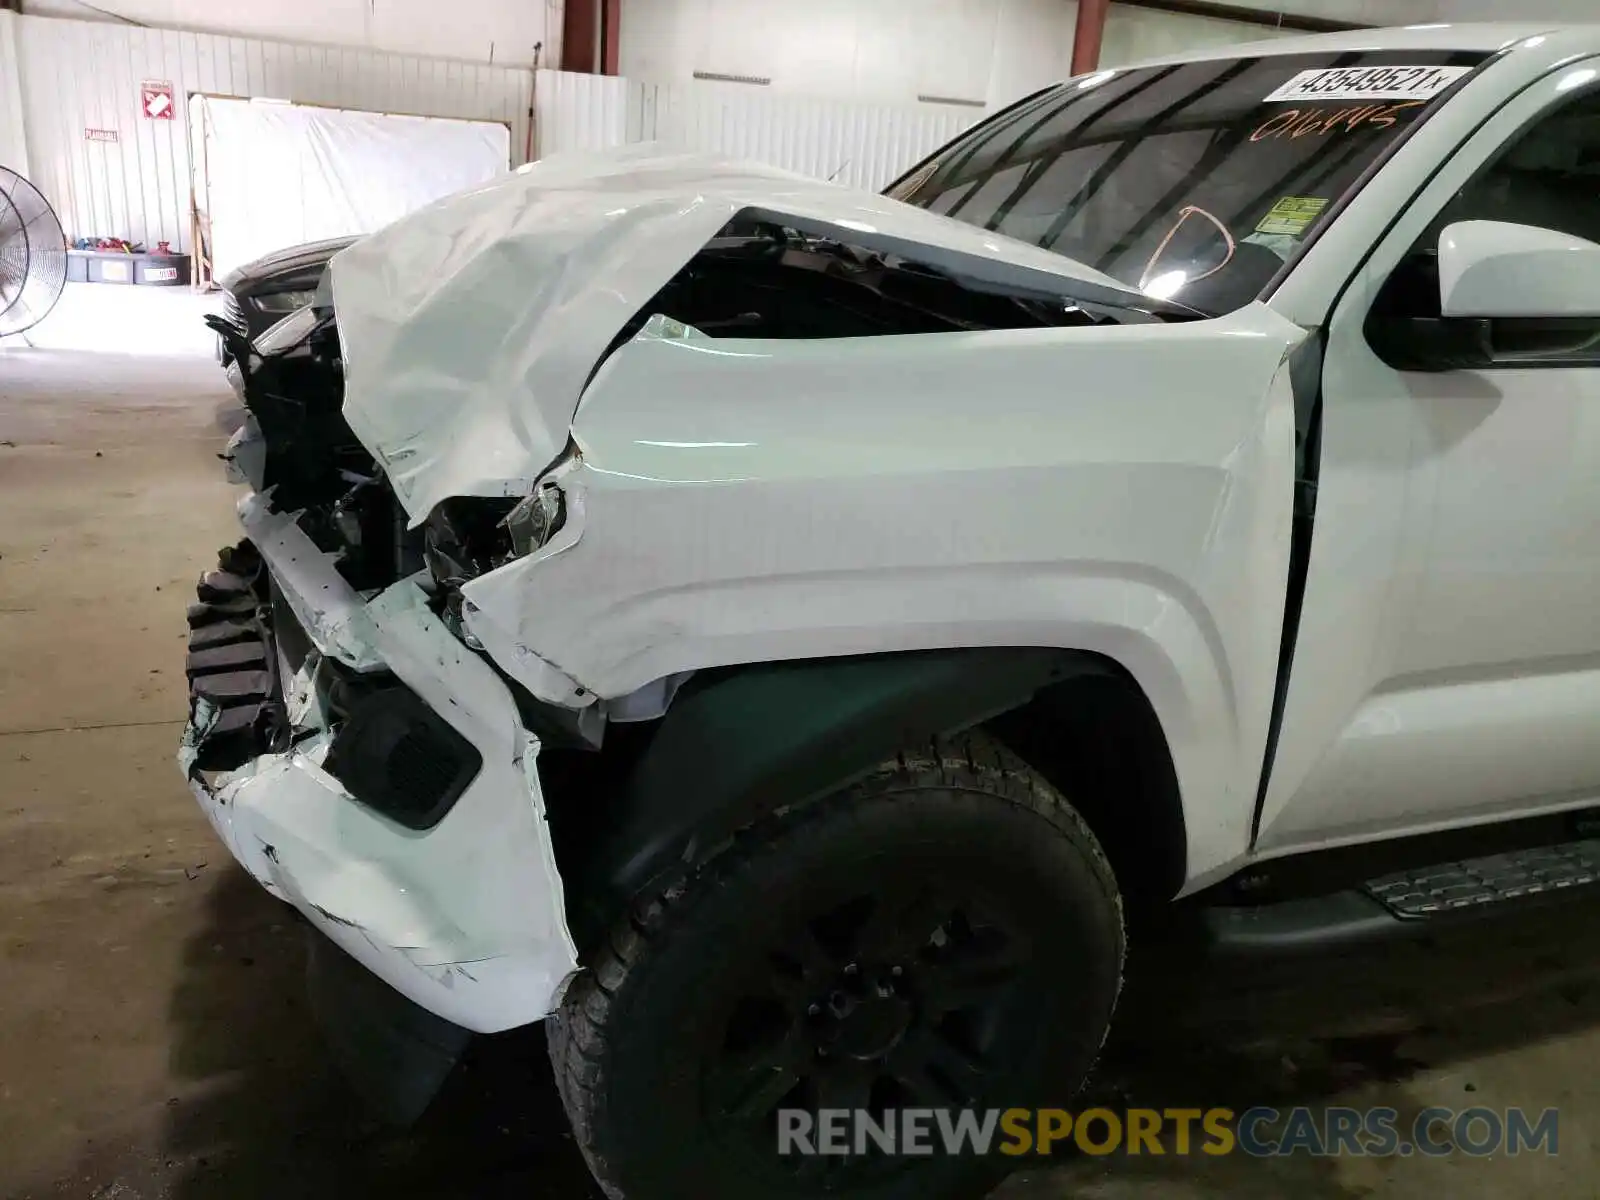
<point>739,743</point>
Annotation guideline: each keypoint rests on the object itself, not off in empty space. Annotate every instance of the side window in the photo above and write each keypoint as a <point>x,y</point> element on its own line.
<point>1548,176</point>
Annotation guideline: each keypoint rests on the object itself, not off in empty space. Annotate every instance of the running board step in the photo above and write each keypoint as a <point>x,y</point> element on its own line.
<point>1481,882</point>
<point>1412,903</point>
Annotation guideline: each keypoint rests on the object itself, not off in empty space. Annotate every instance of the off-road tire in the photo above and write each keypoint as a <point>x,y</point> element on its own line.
<point>963,805</point>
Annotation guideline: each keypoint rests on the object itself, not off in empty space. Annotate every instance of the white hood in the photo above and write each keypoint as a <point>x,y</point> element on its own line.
<point>471,328</point>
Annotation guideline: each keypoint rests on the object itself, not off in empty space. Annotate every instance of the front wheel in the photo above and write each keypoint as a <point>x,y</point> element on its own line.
<point>946,934</point>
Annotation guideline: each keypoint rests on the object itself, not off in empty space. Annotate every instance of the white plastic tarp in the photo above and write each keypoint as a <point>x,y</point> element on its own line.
<point>270,175</point>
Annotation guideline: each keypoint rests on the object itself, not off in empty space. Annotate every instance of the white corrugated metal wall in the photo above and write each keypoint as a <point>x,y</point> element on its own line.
<point>78,75</point>
<point>13,140</point>
<point>585,112</point>
<point>864,145</point>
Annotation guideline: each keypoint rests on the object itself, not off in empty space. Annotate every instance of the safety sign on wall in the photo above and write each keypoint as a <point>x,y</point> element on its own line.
<point>155,98</point>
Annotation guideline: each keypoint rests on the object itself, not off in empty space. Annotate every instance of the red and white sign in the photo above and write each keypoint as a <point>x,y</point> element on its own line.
<point>155,98</point>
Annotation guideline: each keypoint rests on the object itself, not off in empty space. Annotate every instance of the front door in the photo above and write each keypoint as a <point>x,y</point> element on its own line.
<point>1447,669</point>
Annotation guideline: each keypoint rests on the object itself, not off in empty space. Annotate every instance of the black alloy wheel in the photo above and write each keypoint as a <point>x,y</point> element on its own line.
<point>945,935</point>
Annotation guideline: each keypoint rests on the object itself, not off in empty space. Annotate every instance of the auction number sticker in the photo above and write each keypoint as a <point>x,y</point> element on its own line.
<point>1368,83</point>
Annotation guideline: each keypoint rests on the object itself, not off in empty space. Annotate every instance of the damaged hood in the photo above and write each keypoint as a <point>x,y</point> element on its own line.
<point>470,329</point>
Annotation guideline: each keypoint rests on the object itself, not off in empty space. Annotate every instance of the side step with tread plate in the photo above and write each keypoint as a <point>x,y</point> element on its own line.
<point>1497,879</point>
<point>1410,903</point>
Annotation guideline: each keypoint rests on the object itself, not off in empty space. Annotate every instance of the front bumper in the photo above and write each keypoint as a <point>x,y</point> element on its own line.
<point>467,918</point>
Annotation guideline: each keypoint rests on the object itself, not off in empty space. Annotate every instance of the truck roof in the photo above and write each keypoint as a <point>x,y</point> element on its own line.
<point>1485,36</point>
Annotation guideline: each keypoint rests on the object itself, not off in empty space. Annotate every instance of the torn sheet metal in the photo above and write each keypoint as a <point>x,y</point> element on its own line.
<point>470,328</point>
<point>246,454</point>
<point>201,722</point>
<point>303,703</point>
<point>328,609</point>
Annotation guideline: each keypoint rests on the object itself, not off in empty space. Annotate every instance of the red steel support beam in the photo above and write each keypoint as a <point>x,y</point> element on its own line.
<point>1090,34</point>
<point>580,36</point>
<point>591,37</point>
<point>611,38</point>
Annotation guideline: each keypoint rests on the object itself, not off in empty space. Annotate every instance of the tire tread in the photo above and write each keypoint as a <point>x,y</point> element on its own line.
<point>577,1033</point>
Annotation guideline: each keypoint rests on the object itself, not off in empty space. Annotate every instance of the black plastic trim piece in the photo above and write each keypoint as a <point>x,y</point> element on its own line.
<point>736,744</point>
<point>232,664</point>
<point>1305,380</point>
<point>1302,926</point>
<point>401,759</point>
<point>1319,924</point>
<point>1318,872</point>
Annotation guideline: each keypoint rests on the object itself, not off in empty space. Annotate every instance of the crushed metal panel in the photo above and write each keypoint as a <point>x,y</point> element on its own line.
<point>467,920</point>
<point>1120,489</point>
<point>471,328</point>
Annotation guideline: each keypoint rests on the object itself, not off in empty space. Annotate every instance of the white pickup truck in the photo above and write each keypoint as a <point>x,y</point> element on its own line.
<point>777,634</point>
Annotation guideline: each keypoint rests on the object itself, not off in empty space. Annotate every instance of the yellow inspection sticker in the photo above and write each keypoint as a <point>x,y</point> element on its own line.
<point>1292,215</point>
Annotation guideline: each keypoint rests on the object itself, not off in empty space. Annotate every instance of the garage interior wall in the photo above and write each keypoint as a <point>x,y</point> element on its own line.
<point>13,138</point>
<point>78,76</point>
<point>886,51</point>
<point>894,51</point>
<point>861,145</point>
<point>848,100</point>
<point>494,32</point>
<point>1133,34</point>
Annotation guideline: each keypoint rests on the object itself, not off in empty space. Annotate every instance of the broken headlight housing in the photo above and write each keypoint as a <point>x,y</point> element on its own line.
<point>284,302</point>
<point>467,537</point>
<point>464,538</point>
<point>536,519</point>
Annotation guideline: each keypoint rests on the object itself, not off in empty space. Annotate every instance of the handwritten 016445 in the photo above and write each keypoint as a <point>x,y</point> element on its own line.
<point>1319,122</point>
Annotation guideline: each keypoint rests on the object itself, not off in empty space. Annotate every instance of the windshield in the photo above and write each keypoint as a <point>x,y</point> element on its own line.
<point>1195,182</point>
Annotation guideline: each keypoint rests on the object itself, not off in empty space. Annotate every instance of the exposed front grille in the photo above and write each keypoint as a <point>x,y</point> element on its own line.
<point>231,666</point>
<point>233,313</point>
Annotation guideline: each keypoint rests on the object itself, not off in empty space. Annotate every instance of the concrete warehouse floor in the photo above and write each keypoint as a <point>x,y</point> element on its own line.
<point>153,1037</point>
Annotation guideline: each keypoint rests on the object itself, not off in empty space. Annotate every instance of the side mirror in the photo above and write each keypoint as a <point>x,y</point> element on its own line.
<point>1497,270</point>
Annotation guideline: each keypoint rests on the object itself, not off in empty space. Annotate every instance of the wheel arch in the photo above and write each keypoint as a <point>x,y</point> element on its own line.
<point>1097,740</point>
<point>741,742</point>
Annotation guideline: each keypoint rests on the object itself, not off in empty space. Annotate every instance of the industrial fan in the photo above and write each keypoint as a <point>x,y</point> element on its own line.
<point>33,255</point>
